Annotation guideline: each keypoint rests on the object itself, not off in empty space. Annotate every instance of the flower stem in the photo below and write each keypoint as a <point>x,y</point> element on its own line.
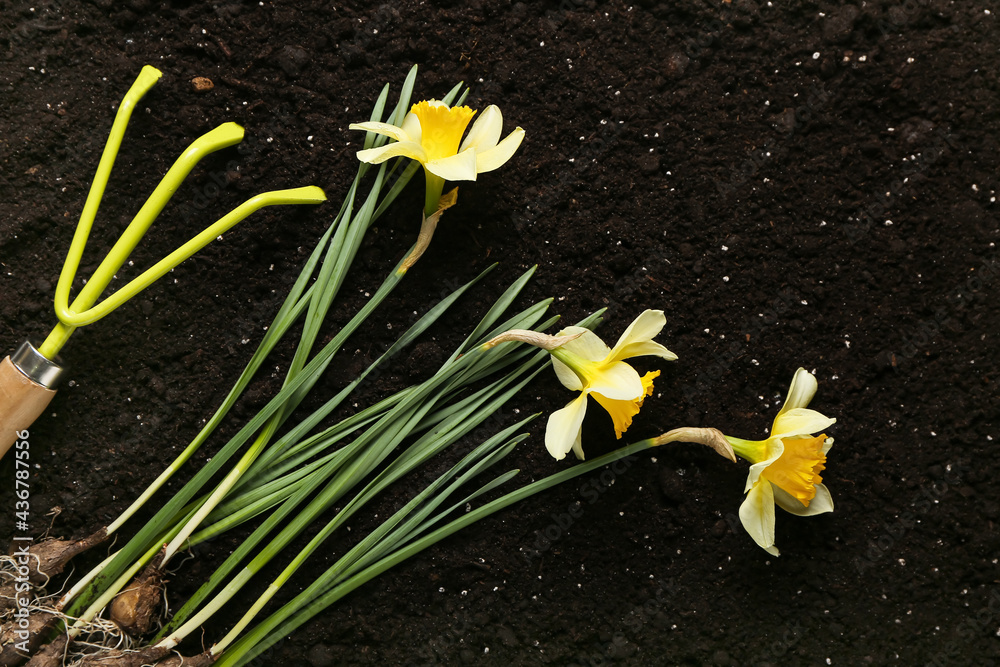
<point>749,450</point>
<point>435,186</point>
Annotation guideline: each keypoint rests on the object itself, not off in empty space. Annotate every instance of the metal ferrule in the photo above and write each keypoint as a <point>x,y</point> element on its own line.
<point>36,367</point>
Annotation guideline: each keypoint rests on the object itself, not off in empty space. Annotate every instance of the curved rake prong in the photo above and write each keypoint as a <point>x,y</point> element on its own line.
<point>147,78</point>
<point>28,379</point>
<point>221,137</point>
<point>307,195</point>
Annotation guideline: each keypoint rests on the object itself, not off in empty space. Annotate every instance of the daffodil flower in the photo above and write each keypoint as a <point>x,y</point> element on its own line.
<point>432,133</point>
<point>584,363</point>
<point>786,466</point>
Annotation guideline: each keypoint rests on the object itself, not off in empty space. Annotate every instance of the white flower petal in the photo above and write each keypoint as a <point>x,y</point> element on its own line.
<point>562,432</point>
<point>801,391</point>
<point>587,346</point>
<point>618,381</point>
<point>497,156</point>
<point>820,504</point>
<point>397,133</point>
<point>800,421</point>
<point>411,125</point>
<point>485,132</point>
<point>757,516</point>
<point>569,379</point>
<point>389,151</point>
<point>643,328</point>
<point>643,349</point>
<point>458,167</point>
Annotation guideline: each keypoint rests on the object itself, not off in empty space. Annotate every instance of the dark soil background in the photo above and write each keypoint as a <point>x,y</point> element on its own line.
<point>807,185</point>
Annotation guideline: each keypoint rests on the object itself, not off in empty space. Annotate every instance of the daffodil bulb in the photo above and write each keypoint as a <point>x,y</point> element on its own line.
<point>786,467</point>
<point>585,364</point>
<point>432,133</point>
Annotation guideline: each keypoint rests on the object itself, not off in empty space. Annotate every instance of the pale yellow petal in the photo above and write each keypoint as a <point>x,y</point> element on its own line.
<point>485,132</point>
<point>385,129</point>
<point>458,167</point>
<point>566,376</point>
<point>389,151</point>
<point>588,346</point>
<point>497,156</point>
<point>800,421</point>
<point>411,125</point>
<point>801,391</point>
<point>562,432</point>
<point>643,349</point>
<point>643,329</point>
<point>821,503</point>
<point>617,381</point>
<point>757,516</point>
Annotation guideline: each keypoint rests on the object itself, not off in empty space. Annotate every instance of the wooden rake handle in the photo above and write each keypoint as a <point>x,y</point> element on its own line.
<point>27,385</point>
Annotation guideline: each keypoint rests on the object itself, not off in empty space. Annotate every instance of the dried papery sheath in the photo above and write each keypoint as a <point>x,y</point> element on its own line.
<point>535,338</point>
<point>709,437</point>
